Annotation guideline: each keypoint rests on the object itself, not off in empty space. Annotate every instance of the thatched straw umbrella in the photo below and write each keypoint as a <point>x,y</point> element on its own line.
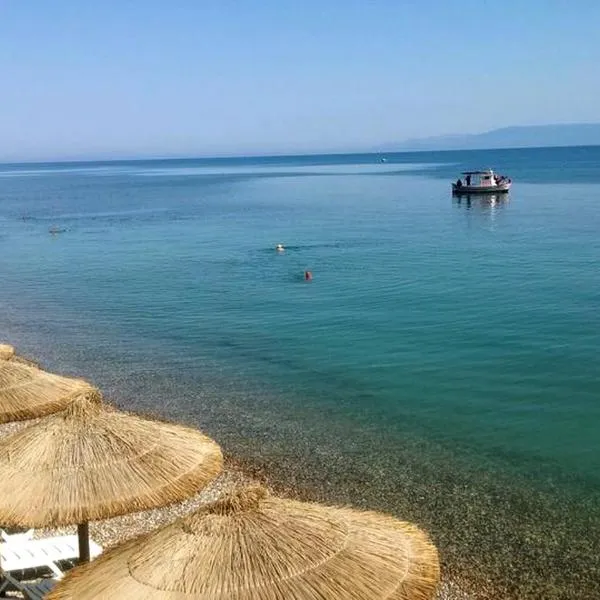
<point>7,352</point>
<point>252,546</point>
<point>27,392</point>
<point>93,462</point>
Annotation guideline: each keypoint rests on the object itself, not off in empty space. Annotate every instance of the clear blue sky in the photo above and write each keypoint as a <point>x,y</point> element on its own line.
<point>137,78</point>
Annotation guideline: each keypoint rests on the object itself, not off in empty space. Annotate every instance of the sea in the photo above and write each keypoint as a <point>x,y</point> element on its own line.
<point>441,365</point>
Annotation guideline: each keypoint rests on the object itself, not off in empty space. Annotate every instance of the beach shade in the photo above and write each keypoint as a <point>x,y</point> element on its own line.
<point>27,392</point>
<point>93,462</point>
<point>253,546</point>
<point>7,352</point>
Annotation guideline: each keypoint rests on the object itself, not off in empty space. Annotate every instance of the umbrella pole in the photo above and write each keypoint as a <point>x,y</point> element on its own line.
<point>83,533</point>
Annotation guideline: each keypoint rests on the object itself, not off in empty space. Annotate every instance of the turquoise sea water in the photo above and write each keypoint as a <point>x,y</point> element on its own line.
<point>441,365</point>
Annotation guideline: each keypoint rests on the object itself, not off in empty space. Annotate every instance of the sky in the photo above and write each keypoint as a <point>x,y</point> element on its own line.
<point>129,78</point>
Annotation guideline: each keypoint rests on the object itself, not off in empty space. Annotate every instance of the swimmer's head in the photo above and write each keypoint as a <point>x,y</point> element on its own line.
<point>279,248</point>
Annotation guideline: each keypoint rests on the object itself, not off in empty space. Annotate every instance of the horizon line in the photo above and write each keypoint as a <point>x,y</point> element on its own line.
<point>223,157</point>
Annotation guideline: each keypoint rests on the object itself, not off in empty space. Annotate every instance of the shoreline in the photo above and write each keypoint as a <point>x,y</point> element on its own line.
<point>236,472</point>
<point>450,588</point>
<point>493,531</point>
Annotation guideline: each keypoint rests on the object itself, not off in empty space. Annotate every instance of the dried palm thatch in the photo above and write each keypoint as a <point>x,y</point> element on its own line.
<point>92,462</point>
<point>7,352</point>
<point>252,546</point>
<point>27,392</point>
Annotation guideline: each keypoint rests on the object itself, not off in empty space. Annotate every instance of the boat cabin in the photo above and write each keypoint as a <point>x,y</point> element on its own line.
<point>481,182</point>
<point>480,178</point>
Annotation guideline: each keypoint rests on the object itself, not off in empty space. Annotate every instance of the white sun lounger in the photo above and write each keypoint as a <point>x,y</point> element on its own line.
<point>17,537</point>
<point>24,554</point>
<point>38,589</point>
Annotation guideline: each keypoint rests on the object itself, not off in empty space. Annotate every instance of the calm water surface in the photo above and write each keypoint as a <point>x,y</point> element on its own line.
<point>441,365</point>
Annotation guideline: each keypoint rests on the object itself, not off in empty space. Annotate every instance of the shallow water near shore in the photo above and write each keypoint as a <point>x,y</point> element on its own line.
<point>440,365</point>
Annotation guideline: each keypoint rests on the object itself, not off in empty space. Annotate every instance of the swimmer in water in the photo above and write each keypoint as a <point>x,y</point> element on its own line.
<point>279,248</point>
<point>307,276</point>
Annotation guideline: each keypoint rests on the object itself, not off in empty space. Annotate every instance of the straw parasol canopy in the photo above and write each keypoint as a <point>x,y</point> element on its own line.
<point>253,546</point>
<point>7,352</point>
<point>27,392</point>
<point>93,462</point>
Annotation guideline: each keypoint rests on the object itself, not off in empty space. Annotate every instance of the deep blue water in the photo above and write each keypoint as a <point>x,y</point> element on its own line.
<point>442,364</point>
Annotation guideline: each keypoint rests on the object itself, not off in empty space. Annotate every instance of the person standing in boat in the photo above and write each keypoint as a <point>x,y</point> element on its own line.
<point>468,180</point>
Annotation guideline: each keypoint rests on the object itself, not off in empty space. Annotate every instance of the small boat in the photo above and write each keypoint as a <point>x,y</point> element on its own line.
<point>482,182</point>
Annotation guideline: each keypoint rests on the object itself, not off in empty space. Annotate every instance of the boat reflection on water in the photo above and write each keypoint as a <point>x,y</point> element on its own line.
<point>483,209</point>
<point>481,201</point>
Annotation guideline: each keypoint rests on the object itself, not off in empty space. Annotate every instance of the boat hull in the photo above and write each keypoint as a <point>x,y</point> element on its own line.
<point>463,190</point>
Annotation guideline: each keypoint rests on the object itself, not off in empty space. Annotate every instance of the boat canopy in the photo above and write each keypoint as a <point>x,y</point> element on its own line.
<point>477,172</point>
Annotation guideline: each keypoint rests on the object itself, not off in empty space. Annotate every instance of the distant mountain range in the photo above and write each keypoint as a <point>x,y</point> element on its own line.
<point>581,134</point>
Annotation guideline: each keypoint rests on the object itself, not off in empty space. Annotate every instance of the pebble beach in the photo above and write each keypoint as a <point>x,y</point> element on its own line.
<point>112,532</point>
